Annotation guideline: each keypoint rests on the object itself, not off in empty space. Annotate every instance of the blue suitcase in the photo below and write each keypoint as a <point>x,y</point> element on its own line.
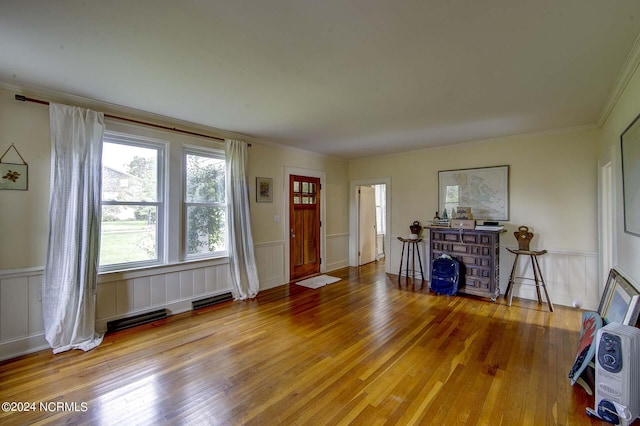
<point>445,275</point>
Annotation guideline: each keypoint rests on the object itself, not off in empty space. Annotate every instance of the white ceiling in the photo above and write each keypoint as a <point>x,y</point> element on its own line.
<point>348,78</point>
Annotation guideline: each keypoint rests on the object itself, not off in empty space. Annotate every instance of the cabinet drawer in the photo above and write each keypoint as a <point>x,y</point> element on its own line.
<point>477,283</point>
<point>476,261</point>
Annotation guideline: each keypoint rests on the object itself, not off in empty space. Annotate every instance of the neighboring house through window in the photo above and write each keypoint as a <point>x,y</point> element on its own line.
<point>132,226</point>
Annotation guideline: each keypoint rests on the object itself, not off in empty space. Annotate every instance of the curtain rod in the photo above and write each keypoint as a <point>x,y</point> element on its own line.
<point>130,120</point>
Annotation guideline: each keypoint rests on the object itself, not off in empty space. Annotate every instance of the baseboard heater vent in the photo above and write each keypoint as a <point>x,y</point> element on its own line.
<point>121,324</point>
<point>197,304</point>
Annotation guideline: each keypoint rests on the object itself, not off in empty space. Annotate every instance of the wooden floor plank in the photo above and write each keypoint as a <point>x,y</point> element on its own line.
<point>365,350</point>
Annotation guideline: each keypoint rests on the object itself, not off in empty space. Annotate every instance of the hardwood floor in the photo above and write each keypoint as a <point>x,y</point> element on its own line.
<point>364,351</point>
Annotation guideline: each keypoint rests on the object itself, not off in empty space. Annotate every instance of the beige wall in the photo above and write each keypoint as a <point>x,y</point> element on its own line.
<point>553,184</point>
<point>23,214</point>
<point>626,254</point>
<point>271,161</point>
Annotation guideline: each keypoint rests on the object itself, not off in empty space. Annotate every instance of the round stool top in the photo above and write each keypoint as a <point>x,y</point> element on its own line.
<point>410,240</point>
<point>528,252</point>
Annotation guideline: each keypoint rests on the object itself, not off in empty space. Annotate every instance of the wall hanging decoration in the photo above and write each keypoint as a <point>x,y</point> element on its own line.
<point>485,190</point>
<point>14,175</point>
<point>264,190</point>
<point>630,150</point>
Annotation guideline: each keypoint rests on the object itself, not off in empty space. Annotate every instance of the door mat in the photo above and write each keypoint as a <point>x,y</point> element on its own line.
<point>319,281</point>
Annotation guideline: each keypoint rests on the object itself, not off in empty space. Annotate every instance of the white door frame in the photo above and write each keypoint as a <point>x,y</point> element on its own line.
<point>353,218</point>
<point>606,212</point>
<point>288,171</point>
<point>368,216</point>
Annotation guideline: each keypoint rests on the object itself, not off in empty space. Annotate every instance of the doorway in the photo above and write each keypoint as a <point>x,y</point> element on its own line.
<point>367,234</point>
<point>381,211</point>
<point>304,226</point>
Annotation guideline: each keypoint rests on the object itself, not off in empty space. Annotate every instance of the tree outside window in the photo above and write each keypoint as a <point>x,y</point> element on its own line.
<point>205,203</point>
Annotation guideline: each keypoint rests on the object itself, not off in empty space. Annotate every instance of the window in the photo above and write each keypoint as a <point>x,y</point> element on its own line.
<point>205,204</point>
<point>451,200</point>
<point>132,202</point>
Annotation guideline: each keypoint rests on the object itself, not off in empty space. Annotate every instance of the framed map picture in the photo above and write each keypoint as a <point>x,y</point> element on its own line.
<point>485,190</point>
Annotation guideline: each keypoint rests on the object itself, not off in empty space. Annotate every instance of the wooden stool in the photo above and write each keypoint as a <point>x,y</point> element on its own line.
<point>412,247</point>
<point>524,238</point>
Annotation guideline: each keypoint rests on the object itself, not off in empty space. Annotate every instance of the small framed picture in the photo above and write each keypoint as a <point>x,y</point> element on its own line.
<point>14,176</point>
<point>264,190</point>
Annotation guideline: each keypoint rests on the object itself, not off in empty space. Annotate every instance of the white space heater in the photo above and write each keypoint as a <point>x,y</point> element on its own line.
<point>617,388</point>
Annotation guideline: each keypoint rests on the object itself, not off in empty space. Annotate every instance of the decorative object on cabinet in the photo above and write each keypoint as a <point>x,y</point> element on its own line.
<point>478,252</point>
<point>484,190</point>
<point>463,224</point>
<point>630,151</point>
<point>14,175</point>
<point>463,213</point>
<point>524,236</point>
<point>264,190</point>
<point>415,230</point>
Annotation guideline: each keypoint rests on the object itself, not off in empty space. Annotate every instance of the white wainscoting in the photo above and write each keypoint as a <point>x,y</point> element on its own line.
<point>120,295</point>
<point>337,251</point>
<point>270,263</point>
<point>570,277</point>
<point>173,287</point>
<point>128,293</point>
<point>21,328</point>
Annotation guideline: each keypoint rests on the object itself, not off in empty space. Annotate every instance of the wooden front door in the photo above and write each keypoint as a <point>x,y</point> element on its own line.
<point>304,220</point>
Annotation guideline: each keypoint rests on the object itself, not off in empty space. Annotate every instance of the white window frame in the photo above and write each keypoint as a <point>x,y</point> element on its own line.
<point>204,152</point>
<point>160,204</point>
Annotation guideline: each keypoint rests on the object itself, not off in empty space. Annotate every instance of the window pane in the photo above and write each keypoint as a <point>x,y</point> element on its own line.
<point>204,179</point>
<point>205,229</point>
<point>129,234</point>
<point>129,173</point>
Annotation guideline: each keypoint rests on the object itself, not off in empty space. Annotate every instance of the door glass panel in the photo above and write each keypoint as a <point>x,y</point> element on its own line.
<point>305,199</point>
<point>296,199</point>
<point>312,188</point>
<point>296,186</point>
<point>305,187</point>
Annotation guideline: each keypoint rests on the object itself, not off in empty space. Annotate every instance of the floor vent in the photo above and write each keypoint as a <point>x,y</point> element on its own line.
<point>197,304</point>
<point>123,323</point>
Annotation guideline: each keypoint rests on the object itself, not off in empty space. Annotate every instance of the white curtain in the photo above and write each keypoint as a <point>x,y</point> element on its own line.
<point>244,275</point>
<point>70,276</point>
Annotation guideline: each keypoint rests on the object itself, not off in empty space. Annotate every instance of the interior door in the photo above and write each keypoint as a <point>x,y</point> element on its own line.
<point>304,220</point>
<point>366,224</point>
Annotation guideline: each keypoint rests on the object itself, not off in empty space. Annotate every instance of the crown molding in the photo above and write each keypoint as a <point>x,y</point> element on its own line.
<point>628,69</point>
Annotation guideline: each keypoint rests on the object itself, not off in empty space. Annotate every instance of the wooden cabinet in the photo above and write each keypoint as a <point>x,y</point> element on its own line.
<point>478,252</point>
